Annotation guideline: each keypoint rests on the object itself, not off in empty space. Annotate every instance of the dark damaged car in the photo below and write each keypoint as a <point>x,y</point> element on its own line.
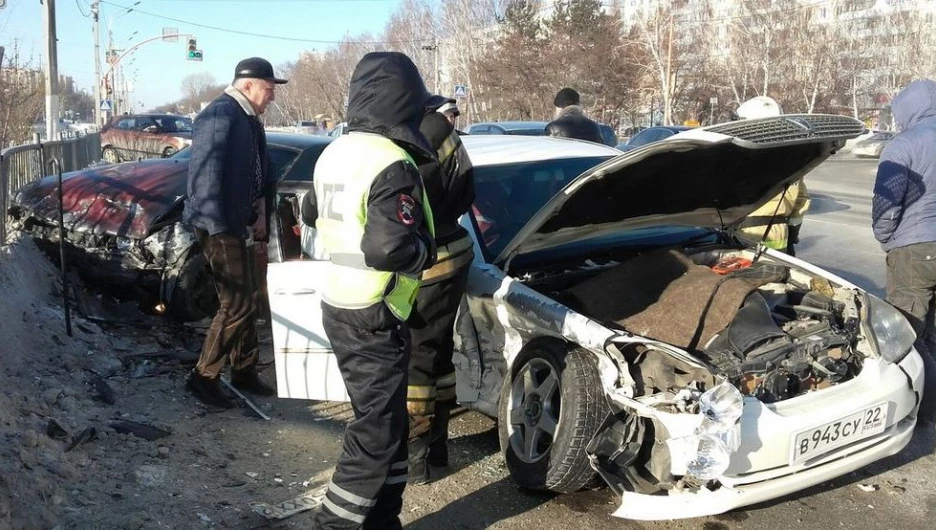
<point>123,222</point>
<point>616,325</point>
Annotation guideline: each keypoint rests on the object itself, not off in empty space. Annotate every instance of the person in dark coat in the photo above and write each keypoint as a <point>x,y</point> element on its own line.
<point>571,121</point>
<point>230,189</point>
<point>430,392</point>
<point>903,217</point>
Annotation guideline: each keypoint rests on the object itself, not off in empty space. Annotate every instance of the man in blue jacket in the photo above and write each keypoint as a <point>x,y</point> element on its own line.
<point>904,221</point>
<point>230,189</point>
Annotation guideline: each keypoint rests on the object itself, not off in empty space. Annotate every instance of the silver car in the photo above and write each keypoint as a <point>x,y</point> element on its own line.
<point>872,146</point>
<point>617,327</point>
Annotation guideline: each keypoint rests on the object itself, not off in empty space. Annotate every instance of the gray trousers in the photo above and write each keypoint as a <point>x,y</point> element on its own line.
<point>911,287</point>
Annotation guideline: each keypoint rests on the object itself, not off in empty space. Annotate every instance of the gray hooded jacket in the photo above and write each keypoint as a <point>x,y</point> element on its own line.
<point>904,207</point>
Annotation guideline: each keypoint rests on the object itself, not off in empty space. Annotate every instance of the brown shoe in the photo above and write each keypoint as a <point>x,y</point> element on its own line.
<point>208,391</point>
<point>249,381</point>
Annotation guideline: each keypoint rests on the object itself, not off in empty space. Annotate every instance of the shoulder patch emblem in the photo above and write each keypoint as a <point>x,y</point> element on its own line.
<point>405,209</point>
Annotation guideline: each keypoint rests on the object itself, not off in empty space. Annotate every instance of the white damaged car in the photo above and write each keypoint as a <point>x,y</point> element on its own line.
<point>617,328</point>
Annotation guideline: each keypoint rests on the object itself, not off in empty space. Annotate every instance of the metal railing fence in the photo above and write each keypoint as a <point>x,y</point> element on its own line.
<point>22,164</point>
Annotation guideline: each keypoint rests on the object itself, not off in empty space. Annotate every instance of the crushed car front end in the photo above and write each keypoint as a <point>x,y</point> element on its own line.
<point>729,373</point>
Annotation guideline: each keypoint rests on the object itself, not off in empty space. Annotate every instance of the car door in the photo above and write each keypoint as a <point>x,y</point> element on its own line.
<point>306,367</point>
<point>122,137</point>
<point>140,138</point>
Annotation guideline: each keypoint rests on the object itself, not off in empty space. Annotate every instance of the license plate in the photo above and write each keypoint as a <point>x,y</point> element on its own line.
<point>821,439</point>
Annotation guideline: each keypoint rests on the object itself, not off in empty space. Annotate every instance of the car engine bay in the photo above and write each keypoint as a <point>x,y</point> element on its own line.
<point>773,331</point>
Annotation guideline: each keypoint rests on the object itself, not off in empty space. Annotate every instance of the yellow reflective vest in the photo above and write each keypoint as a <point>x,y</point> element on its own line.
<point>342,185</point>
<point>787,208</point>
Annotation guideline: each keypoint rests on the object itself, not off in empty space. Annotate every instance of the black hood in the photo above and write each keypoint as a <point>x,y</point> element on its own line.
<point>388,97</point>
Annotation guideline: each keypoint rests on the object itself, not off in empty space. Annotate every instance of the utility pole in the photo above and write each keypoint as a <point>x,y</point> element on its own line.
<point>51,73</point>
<point>668,88</point>
<point>434,47</point>
<point>95,14</point>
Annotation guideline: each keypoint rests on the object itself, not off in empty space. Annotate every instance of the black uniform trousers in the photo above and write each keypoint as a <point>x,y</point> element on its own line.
<point>432,326</point>
<point>372,349</point>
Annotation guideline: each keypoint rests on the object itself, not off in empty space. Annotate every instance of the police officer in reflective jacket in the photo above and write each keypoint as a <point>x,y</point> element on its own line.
<point>430,394</point>
<point>375,222</point>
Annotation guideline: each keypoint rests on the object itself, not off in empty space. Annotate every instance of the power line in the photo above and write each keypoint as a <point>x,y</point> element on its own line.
<point>262,35</point>
<point>86,15</point>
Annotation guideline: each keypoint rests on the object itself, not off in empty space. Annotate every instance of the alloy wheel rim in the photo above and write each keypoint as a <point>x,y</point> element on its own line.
<point>533,409</point>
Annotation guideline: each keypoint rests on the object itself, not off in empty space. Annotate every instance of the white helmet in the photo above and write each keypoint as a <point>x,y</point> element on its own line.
<point>759,107</point>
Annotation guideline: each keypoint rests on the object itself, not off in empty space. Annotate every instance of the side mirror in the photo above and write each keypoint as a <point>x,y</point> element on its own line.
<point>151,129</point>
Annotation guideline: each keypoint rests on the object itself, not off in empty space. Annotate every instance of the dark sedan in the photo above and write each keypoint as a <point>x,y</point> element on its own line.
<point>532,128</point>
<point>123,222</point>
<point>650,135</point>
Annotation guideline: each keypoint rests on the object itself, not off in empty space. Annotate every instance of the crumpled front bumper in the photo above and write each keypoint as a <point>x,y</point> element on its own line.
<point>770,482</point>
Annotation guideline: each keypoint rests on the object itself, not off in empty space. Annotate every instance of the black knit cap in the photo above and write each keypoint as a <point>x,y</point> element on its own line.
<point>566,97</point>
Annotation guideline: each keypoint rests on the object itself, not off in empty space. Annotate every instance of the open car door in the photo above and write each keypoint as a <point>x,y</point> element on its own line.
<point>306,367</point>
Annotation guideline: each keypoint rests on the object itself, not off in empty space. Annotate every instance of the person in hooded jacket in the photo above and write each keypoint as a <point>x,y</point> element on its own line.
<point>430,393</point>
<point>375,222</point>
<point>903,217</point>
<point>571,121</point>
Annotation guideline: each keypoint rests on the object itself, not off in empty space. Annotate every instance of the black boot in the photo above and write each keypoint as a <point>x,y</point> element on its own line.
<point>249,381</point>
<point>418,448</point>
<point>208,391</point>
<point>438,447</point>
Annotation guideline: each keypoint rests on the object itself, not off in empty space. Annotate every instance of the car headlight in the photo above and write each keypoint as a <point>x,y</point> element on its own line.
<point>892,336</point>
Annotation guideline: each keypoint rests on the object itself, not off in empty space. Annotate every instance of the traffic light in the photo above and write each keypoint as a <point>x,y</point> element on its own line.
<point>194,54</point>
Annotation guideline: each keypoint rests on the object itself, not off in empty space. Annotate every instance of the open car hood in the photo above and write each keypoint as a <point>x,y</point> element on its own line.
<point>708,177</point>
<point>118,200</point>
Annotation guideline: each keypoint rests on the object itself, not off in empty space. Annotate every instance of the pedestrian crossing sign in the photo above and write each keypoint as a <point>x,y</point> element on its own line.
<point>461,91</point>
<point>106,104</point>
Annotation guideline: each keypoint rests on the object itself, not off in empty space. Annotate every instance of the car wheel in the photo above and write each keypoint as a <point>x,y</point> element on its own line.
<point>551,405</point>
<point>109,155</point>
<point>169,151</point>
<point>194,296</point>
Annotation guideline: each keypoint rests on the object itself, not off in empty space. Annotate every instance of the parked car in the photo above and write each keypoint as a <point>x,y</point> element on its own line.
<point>517,128</point>
<point>617,330</point>
<point>309,127</point>
<point>136,136</point>
<point>872,146</point>
<point>650,135</point>
<point>123,222</point>
<point>532,128</point>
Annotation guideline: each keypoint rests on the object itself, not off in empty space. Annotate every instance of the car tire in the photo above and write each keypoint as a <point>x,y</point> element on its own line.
<point>194,296</point>
<point>109,155</point>
<point>169,151</point>
<point>545,424</point>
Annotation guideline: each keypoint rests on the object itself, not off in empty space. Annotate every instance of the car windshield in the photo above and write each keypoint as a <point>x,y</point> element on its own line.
<point>507,196</point>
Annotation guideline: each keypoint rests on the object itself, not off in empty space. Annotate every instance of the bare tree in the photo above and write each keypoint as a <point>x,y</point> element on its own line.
<point>21,99</point>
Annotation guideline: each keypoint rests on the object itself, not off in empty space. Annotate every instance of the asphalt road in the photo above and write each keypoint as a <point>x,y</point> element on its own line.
<point>894,493</point>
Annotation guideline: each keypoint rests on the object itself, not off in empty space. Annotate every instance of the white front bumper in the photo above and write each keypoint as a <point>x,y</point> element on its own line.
<point>760,469</point>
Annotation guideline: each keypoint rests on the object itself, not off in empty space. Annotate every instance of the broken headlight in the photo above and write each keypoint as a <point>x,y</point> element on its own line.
<point>707,453</point>
<point>891,333</point>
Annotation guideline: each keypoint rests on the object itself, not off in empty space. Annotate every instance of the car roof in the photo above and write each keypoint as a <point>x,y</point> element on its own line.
<point>510,125</point>
<point>298,141</point>
<point>674,128</point>
<point>489,150</point>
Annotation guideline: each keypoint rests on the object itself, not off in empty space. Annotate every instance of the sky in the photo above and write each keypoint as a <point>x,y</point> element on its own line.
<point>283,28</point>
